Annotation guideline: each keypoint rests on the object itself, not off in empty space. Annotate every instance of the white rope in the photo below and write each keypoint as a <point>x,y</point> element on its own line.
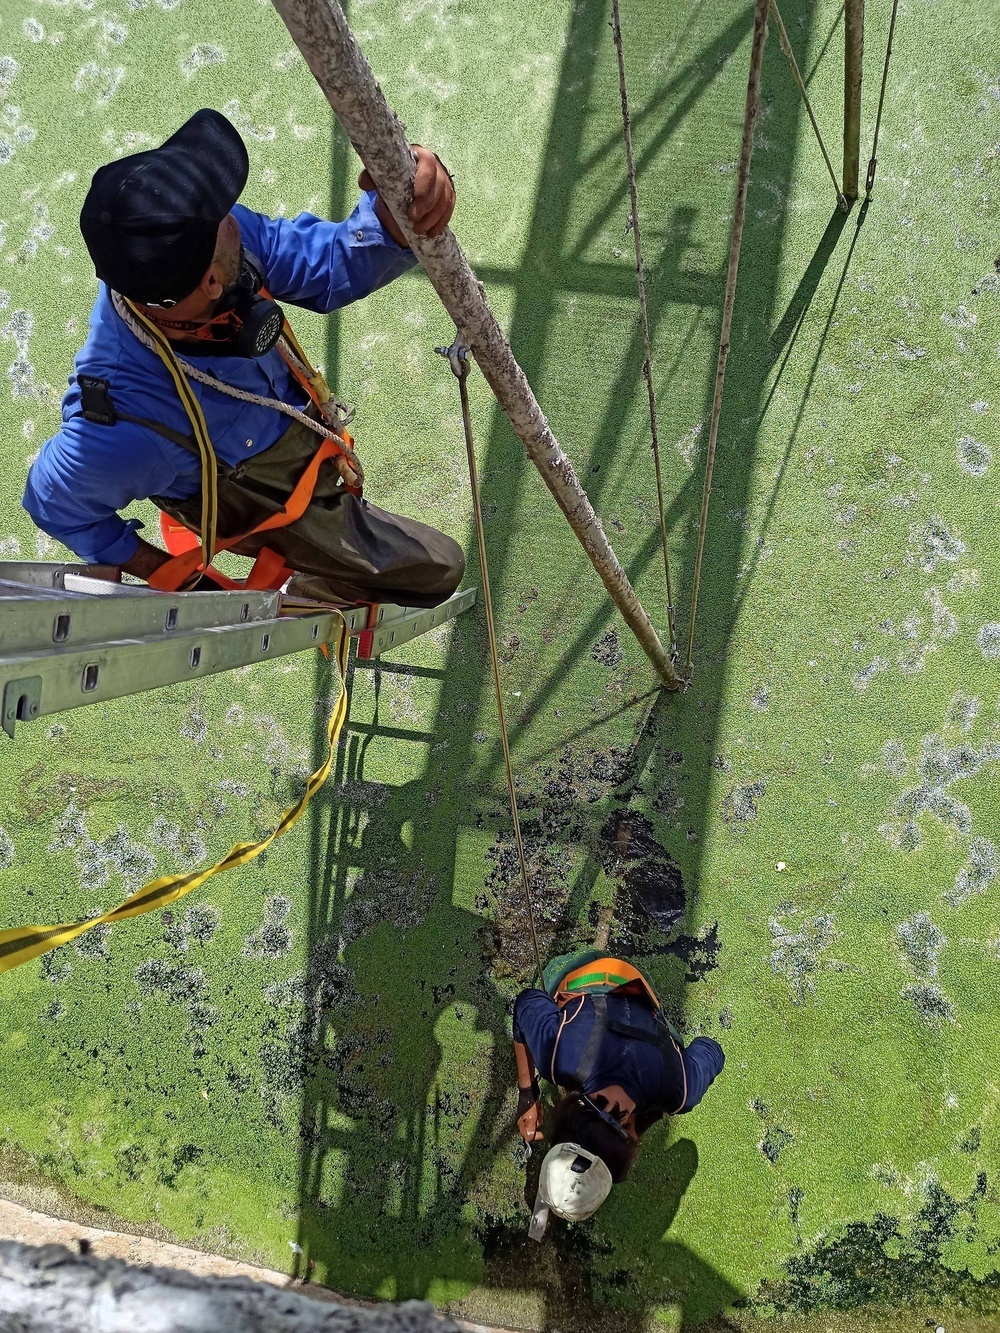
<point>243,395</point>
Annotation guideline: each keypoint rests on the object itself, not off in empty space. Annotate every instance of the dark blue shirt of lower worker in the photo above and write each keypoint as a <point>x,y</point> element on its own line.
<point>654,1080</point>
<point>88,472</point>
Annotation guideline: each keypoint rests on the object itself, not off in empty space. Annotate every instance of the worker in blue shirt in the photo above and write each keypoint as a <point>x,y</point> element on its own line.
<point>597,1030</point>
<point>172,247</point>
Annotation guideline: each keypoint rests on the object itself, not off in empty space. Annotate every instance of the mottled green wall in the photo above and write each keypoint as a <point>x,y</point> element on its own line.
<point>313,1051</point>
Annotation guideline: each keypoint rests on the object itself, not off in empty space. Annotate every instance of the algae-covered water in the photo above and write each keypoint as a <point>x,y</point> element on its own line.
<point>801,850</point>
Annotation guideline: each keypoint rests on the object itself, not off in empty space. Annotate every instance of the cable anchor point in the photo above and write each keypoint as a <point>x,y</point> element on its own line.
<point>457,355</point>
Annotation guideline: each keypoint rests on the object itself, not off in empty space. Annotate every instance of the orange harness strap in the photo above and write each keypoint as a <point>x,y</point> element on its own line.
<point>176,572</point>
<point>269,569</point>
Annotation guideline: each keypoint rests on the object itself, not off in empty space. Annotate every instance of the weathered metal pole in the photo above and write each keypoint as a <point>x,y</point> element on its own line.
<point>854,49</point>
<point>321,32</point>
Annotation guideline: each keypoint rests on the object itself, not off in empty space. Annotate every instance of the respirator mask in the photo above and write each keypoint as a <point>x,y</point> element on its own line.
<point>245,323</point>
<point>256,320</point>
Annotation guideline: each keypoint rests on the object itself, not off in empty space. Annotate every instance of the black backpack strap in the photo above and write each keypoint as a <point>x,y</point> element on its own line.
<point>662,1035</point>
<point>662,1038</point>
<point>97,406</point>
<point>587,1061</point>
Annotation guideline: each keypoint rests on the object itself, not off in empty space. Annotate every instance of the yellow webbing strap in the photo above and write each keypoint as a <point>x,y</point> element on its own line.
<point>316,377</point>
<point>191,405</point>
<point>25,942</point>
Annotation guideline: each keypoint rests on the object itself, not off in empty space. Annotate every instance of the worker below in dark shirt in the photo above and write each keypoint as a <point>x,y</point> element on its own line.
<point>598,1031</point>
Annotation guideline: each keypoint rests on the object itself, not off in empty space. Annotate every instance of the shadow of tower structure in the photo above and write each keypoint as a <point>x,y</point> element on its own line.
<point>385,1170</point>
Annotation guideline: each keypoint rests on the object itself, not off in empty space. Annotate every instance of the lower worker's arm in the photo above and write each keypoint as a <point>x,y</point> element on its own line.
<point>525,1066</point>
<point>146,561</point>
<point>529,1101</point>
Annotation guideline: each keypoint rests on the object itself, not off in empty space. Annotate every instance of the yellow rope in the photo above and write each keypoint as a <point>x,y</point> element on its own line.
<point>191,405</point>
<point>22,943</point>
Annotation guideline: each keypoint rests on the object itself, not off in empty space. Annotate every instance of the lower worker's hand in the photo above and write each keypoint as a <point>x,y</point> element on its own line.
<point>529,1117</point>
<point>433,198</point>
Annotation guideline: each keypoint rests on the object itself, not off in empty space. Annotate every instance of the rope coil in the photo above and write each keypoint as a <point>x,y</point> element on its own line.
<point>140,328</point>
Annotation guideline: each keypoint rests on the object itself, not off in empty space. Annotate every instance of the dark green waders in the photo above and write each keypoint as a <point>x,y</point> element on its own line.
<point>342,546</point>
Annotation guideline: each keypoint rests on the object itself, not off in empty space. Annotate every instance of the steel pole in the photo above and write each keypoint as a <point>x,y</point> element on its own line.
<point>854,49</point>
<point>320,30</point>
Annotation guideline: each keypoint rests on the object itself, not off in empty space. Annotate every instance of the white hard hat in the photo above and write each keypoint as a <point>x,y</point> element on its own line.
<point>573,1182</point>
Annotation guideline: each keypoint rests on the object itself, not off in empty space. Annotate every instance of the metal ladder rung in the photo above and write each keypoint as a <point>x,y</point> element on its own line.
<point>62,646</point>
<point>35,618</point>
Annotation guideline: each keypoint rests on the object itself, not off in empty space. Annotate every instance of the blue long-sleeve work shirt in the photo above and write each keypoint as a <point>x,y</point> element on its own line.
<point>87,472</point>
<point>654,1082</point>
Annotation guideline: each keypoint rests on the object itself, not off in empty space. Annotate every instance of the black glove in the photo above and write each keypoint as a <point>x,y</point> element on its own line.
<point>526,1097</point>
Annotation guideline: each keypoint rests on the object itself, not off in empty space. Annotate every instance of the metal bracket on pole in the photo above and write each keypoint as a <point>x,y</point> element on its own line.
<point>22,700</point>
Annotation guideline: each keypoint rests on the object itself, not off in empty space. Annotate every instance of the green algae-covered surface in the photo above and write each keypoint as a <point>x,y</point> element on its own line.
<point>307,1061</point>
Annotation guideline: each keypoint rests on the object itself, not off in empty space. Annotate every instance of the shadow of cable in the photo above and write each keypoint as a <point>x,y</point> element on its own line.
<point>789,327</point>
<point>632,1265</point>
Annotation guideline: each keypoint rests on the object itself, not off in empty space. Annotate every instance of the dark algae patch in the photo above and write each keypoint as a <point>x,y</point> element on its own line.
<point>644,867</point>
<point>699,953</point>
<point>886,1264</point>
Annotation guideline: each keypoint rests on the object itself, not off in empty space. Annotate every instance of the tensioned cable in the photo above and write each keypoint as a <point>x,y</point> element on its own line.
<point>647,364</point>
<point>786,46</point>
<point>873,160</point>
<point>736,241</point>
<point>457,356</point>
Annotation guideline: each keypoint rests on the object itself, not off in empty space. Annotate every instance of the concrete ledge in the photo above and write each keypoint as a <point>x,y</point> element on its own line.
<point>49,1287</point>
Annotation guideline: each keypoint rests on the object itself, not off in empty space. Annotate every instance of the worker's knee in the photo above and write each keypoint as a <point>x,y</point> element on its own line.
<point>452,565</point>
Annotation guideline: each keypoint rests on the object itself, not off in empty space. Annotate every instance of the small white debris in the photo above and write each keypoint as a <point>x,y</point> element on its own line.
<point>781,866</point>
<point>296,1248</point>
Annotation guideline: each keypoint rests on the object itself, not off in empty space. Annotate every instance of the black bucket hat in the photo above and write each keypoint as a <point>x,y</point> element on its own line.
<point>151,220</point>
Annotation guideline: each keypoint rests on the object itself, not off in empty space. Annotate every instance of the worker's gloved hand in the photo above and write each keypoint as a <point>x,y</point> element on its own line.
<point>433,198</point>
<point>529,1113</point>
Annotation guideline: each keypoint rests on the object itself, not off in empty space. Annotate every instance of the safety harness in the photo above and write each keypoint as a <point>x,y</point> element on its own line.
<point>599,979</point>
<point>269,569</point>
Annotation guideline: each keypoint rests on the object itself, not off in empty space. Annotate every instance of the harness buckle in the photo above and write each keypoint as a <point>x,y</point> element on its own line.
<point>95,400</point>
